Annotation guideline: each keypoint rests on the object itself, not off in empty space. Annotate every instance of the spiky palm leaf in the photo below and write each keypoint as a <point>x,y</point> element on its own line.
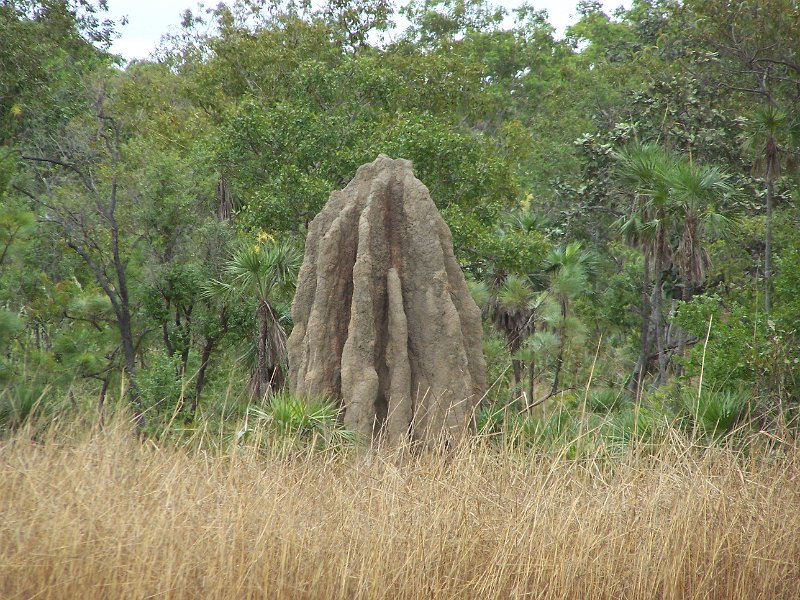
<point>479,292</point>
<point>266,272</point>
<point>571,267</point>
<point>696,190</point>
<point>513,310</point>
<point>766,139</point>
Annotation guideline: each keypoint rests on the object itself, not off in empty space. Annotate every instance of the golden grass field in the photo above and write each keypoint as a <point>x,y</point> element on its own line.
<point>107,516</point>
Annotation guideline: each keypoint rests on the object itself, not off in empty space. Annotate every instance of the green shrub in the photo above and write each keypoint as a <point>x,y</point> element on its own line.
<point>606,400</point>
<point>713,414</point>
<point>161,390</point>
<point>295,421</point>
<point>636,424</point>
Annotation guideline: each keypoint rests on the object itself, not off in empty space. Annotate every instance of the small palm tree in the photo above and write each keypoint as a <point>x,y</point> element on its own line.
<point>570,268</point>
<point>696,192</point>
<point>512,313</point>
<point>268,272</point>
<point>767,140</point>
<point>645,168</point>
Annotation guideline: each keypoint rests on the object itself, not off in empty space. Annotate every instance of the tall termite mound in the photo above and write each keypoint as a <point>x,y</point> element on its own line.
<point>383,319</point>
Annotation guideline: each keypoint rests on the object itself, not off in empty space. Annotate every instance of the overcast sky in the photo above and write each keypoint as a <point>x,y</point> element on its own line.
<point>148,20</point>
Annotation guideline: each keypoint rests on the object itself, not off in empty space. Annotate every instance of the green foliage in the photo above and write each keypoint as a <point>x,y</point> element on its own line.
<point>300,422</point>
<point>636,426</point>
<point>606,400</point>
<point>610,194</point>
<point>10,326</point>
<point>162,388</point>
<point>18,405</point>
<point>712,413</point>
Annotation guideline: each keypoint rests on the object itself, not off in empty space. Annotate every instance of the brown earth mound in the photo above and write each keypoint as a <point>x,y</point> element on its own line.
<point>383,320</point>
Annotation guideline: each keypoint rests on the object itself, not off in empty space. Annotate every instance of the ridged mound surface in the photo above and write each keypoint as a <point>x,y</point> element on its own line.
<point>383,319</point>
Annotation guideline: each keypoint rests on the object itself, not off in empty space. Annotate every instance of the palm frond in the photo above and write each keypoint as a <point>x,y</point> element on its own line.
<point>516,294</point>
<point>479,292</point>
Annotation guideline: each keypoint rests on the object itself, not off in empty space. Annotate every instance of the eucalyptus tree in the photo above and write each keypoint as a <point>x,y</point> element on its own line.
<point>77,185</point>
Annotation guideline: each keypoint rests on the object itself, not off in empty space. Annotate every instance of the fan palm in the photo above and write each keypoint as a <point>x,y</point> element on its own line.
<point>570,268</point>
<point>267,272</point>
<point>767,139</point>
<point>644,169</point>
<point>696,191</point>
<point>512,312</point>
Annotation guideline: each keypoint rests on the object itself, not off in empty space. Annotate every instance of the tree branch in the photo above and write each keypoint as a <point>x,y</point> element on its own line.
<point>86,182</point>
<point>528,407</point>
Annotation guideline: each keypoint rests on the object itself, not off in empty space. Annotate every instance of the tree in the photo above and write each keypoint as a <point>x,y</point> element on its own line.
<point>757,44</point>
<point>571,268</point>
<point>767,141</point>
<point>643,170</point>
<point>267,272</point>
<point>16,222</point>
<point>83,203</point>
<point>697,192</point>
<point>46,46</point>
<point>511,309</point>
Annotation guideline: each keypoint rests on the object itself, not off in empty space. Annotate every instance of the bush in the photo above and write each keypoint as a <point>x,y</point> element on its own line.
<point>297,422</point>
<point>606,400</point>
<point>713,414</point>
<point>635,425</point>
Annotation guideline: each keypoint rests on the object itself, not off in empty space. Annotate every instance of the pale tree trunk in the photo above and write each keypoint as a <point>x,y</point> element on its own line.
<point>517,367</point>
<point>269,374</point>
<point>262,375</point>
<point>531,383</point>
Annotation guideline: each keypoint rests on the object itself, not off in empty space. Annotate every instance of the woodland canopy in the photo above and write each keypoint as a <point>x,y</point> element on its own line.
<point>624,201</point>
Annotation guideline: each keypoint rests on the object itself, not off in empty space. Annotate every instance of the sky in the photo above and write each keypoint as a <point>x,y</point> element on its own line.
<point>148,20</point>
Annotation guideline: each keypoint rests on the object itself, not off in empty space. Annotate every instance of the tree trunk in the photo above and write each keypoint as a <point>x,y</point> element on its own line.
<point>768,248</point>
<point>101,400</point>
<point>129,356</point>
<point>686,296</point>
<point>658,293</point>
<point>531,383</point>
<point>224,201</point>
<point>517,366</point>
<point>276,357</point>
<point>262,375</point>
<point>205,357</point>
<point>124,310</point>
<point>560,358</point>
<point>644,352</point>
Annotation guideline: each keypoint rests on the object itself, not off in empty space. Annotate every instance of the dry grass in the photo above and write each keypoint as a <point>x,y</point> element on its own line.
<point>110,517</point>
